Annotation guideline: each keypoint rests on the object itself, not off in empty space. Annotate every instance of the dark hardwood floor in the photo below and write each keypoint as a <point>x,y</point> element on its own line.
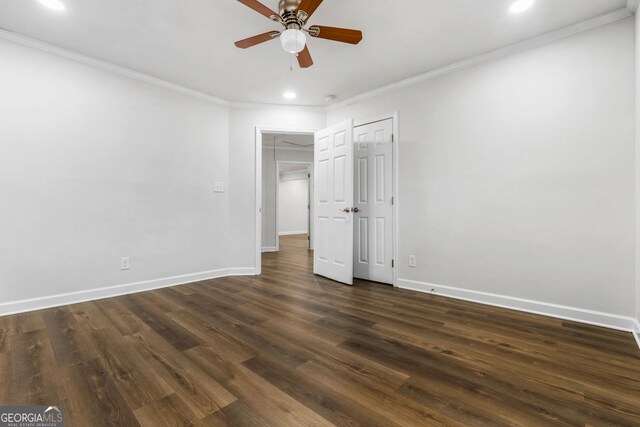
<point>292,349</point>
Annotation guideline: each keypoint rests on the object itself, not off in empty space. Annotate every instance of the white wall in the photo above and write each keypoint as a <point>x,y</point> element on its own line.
<point>292,210</point>
<point>242,157</point>
<point>269,180</point>
<point>517,176</point>
<point>637,69</point>
<point>95,166</point>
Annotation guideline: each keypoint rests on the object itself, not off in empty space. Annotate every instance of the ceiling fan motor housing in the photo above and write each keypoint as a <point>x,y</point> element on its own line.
<point>288,10</point>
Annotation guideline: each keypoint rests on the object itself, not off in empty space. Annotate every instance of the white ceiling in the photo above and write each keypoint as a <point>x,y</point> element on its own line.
<point>295,142</point>
<point>190,42</point>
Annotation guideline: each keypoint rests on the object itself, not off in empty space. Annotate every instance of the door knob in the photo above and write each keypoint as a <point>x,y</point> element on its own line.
<point>347,210</point>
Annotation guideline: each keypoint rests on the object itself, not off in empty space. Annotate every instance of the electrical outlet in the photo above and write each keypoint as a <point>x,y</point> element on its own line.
<point>125,263</point>
<point>412,261</point>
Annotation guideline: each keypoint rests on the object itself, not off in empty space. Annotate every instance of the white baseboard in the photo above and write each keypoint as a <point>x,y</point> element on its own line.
<point>291,233</point>
<point>41,303</point>
<point>636,332</point>
<point>269,249</point>
<point>607,320</point>
<point>246,271</point>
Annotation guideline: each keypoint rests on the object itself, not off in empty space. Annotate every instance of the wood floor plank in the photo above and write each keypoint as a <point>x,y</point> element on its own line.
<point>333,406</point>
<point>156,318</point>
<point>261,396</point>
<point>287,351</point>
<point>89,317</point>
<point>123,319</point>
<point>201,393</point>
<point>94,399</point>
<point>335,356</point>
<point>4,334</point>
<point>69,342</point>
<point>5,378</point>
<point>368,392</point>
<point>26,322</point>
<point>136,381</point>
<point>228,346</point>
<point>170,411</point>
<point>236,414</point>
<point>33,377</point>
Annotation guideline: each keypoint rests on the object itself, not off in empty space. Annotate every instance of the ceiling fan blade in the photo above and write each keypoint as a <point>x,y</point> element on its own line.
<point>304,58</point>
<point>343,35</point>
<point>307,8</point>
<point>260,38</point>
<point>259,7</point>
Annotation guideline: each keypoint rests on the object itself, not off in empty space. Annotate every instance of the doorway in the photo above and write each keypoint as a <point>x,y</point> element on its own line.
<point>286,184</point>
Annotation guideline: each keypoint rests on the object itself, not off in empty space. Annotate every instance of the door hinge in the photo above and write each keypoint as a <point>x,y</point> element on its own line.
<point>392,201</point>
<point>393,263</point>
<point>393,138</point>
<point>308,175</point>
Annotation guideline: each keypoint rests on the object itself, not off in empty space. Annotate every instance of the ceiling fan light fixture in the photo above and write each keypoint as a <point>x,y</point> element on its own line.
<point>293,41</point>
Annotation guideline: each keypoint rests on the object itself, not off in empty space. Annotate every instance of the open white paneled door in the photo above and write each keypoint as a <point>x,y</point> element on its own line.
<point>373,256</point>
<point>333,204</point>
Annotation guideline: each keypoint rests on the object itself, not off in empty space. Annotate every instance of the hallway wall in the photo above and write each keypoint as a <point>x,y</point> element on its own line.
<point>292,211</point>
<point>269,181</point>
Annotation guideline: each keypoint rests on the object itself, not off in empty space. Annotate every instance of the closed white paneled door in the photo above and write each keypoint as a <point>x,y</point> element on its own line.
<point>373,185</point>
<point>333,216</point>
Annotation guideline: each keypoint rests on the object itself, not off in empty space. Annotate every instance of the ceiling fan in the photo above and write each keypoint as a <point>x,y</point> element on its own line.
<point>294,15</point>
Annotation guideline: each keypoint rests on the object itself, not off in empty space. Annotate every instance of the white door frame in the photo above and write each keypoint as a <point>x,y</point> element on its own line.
<point>310,201</point>
<point>258,184</point>
<point>396,138</point>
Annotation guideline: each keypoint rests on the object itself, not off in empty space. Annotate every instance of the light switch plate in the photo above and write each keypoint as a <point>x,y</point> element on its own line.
<point>218,187</point>
<point>412,261</point>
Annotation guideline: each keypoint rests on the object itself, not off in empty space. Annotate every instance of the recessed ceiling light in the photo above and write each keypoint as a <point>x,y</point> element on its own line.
<point>521,5</point>
<point>53,4</point>
<point>289,95</point>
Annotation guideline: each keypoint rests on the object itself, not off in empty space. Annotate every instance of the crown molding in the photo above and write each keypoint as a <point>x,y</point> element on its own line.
<point>632,5</point>
<point>490,56</point>
<point>107,66</point>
